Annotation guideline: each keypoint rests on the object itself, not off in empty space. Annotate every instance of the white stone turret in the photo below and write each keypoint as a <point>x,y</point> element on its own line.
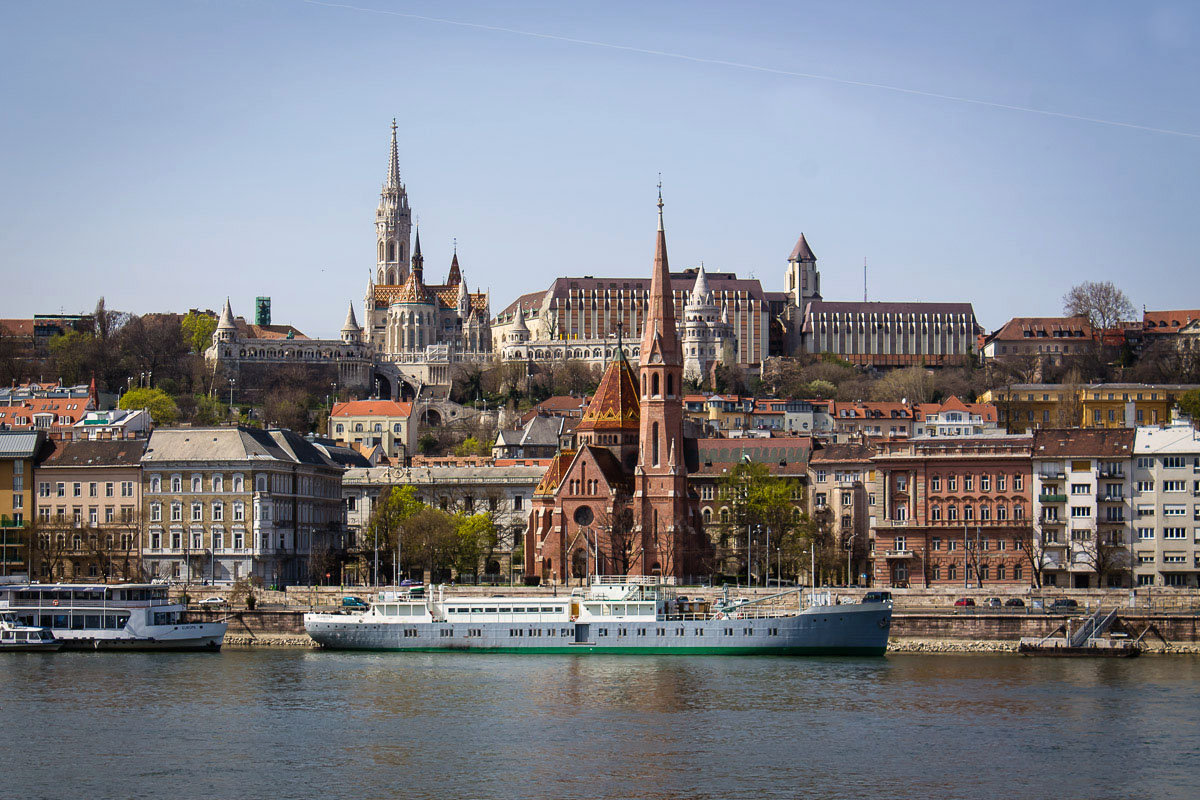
<point>351,332</point>
<point>226,329</point>
<point>707,334</point>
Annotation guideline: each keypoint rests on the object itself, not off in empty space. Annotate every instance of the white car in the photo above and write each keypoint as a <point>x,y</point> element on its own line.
<point>212,601</point>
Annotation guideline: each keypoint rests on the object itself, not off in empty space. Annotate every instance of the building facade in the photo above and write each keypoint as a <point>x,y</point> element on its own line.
<point>1081,496</point>
<point>20,452</point>
<point>223,504</point>
<point>953,512</point>
<point>386,423</point>
<point>89,512</point>
<point>1166,506</point>
<point>1044,340</point>
<point>841,480</point>
<point>1027,406</point>
<point>891,334</point>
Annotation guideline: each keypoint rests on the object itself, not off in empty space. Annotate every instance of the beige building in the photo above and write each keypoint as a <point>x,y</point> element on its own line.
<point>388,424</point>
<point>89,512</point>
<point>228,503</point>
<point>19,453</point>
<point>1166,506</point>
<point>841,482</point>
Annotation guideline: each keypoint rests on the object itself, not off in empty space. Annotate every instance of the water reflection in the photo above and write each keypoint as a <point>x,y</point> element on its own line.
<point>463,725</point>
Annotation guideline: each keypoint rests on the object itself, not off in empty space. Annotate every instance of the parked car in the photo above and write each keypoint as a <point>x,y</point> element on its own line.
<point>964,602</point>
<point>876,597</point>
<point>1063,605</point>
<point>1014,602</point>
<point>212,601</point>
<point>993,602</point>
<point>353,602</point>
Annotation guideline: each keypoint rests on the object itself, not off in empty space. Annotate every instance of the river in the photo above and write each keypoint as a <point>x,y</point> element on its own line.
<point>283,723</point>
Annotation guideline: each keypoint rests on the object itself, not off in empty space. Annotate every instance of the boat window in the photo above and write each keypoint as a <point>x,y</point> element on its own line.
<point>60,620</point>
<point>551,610</point>
<point>77,622</point>
<point>92,621</point>
<point>476,610</point>
<point>490,610</point>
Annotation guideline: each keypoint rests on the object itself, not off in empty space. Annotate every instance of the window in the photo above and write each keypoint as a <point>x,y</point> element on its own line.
<point>1018,483</point>
<point>155,485</point>
<point>1145,533</point>
<point>935,483</point>
<point>1174,486</point>
<point>1080,511</point>
<point>238,483</point>
<point>968,483</point>
<point>821,476</point>
<point>197,512</point>
<point>176,512</point>
<point>1173,462</point>
<point>1174,533</point>
<point>935,513</point>
<point>176,483</point>
<point>968,512</point>
<point>77,489</point>
<point>1002,483</point>
<point>1143,487</point>
<point>1174,511</point>
<point>985,483</point>
<point>1001,512</point>
<point>156,512</point>
<point>952,483</point>
<point>239,512</point>
<point>952,513</point>
<point>935,543</point>
<point>1081,488</point>
<point>1145,462</point>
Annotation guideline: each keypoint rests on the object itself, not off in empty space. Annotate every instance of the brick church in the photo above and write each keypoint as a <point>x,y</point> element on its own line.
<point>620,503</point>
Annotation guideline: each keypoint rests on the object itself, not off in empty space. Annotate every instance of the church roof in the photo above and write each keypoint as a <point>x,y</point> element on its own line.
<point>455,273</point>
<point>802,252</point>
<point>615,404</point>
<point>413,290</point>
<point>555,472</point>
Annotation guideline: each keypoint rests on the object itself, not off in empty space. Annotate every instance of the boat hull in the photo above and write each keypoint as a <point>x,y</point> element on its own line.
<point>31,647</point>
<point>854,630</point>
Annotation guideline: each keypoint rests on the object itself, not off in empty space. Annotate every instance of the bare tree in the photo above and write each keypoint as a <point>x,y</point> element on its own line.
<point>1100,302</point>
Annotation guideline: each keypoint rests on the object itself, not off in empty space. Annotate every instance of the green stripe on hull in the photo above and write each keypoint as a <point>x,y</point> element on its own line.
<point>637,651</point>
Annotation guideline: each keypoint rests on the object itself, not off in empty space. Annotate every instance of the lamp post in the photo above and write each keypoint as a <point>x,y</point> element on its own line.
<point>767,576</point>
<point>749,551</point>
<point>231,383</point>
<point>779,566</point>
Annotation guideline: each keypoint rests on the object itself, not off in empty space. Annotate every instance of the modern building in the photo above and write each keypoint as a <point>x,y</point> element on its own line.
<point>20,452</point>
<point>1081,512</point>
<point>1166,506</point>
<point>89,496</point>
<point>386,423</point>
<point>113,424</point>
<point>230,503</point>
<point>891,334</point>
<point>952,512</point>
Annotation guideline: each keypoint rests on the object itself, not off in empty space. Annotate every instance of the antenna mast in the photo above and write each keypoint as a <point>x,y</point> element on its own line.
<point>864,279</point>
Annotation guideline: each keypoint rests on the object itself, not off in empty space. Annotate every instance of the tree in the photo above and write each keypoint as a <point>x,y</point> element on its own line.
<point>911,384</point>
<point>1189,404</point>
<point>473,447</point>
<point>394,506</point>
<point>287,409</point>
<point>209,410</point>
<point>1100,302</point>
<point>198,329</point>
<point>429,537</point>
<point>475,537</point>
<point>161,405</point>
<point>72,355</point>
<point>760,505</point>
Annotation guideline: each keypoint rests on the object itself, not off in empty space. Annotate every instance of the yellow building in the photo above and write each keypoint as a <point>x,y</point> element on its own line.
<point>19,452</point>
<point>1022,407</point>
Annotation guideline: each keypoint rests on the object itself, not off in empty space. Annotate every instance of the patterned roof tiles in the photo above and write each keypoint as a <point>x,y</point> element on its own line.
<point>615,405</point>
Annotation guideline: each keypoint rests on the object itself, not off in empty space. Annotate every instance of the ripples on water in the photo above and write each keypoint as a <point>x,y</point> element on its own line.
<point>247,724</point>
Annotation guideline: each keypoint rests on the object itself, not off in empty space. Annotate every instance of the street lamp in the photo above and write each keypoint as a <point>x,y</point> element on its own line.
<point>767,571</point>
<point>231,383</point>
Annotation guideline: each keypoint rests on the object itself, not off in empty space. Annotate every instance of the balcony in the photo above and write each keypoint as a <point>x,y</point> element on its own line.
<point>1111,498</point>
<point>899,554</point>
<point>1107,472</point>
<point>1052,498</point>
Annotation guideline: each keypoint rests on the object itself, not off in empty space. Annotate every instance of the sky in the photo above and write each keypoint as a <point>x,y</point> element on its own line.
<point>167,155</point>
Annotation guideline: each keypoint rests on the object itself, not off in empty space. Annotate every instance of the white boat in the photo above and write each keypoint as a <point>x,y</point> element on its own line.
<point>130,616</point>
<point>15,637</point>
<point>625,615</point>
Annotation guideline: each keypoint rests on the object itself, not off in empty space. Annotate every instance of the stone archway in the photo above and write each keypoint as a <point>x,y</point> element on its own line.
<point>431,418</point>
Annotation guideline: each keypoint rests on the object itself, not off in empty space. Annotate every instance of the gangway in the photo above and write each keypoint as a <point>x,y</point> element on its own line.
<point>1093,627</point>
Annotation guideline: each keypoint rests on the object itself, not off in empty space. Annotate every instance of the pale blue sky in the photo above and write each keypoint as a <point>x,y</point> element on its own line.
<point>167,154</point>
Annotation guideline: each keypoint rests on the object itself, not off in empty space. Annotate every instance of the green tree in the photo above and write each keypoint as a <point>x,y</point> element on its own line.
<point>198,329</point>
<point>394,506</point>
<point>73,356</point>
<point>1189,403</point>
<point>760,505</point>
<point>473,447</point>
<point>161,405</point>
<point>476,536</point>
<point>427,444</point>
<point>209,410</point>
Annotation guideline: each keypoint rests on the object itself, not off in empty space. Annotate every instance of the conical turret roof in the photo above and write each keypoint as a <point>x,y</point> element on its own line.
<point>226,321</point>
<point>700,290</point>
<point>615,405</point>
<point>802,252</point>
<point>413,290</point>
<point>351,324</point>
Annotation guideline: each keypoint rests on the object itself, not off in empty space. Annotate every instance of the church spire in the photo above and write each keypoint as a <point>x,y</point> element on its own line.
<point>418,260</point>
<point>660,314</point>
<point>393,173</point>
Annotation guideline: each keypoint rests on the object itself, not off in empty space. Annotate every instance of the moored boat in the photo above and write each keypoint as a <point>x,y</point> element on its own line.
<point>131,616</point>
<point>15,637</point>
<point>616,615</point>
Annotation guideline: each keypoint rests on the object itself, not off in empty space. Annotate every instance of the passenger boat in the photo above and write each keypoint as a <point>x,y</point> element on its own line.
<point>15,637</point>
<point>131,616</point>
<point>618,615</point>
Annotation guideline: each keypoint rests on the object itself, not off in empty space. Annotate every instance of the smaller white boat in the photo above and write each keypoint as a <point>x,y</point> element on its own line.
<point>18,638</point>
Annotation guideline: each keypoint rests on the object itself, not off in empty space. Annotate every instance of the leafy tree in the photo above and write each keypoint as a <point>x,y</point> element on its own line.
<point>161,405</point>
<point>394,506</point>
<point>476,536</point>
<point>209,410</point>
<point>1100,302</point>
<point>73,356</point>
<point>1189,404</point>
<point>198,329</point>
<point>427,444</point>
<point>287,409</point>
<point>914,384</point>
<point>473,447</point>
<point>760,505</point>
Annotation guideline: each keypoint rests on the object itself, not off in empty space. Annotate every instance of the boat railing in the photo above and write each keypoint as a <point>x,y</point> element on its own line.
<point>635,580</point>
<point>69,604</point>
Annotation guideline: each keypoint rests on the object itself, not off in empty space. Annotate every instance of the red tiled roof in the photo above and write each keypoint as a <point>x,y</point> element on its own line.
<point>1022,328</point>
<point>1068,442</point>
<point>555,472</point>
<point>372,408</point>
<point>615,405</point>
<point>1168,321</point>
<point>17,327</point>
<point>985,410</point>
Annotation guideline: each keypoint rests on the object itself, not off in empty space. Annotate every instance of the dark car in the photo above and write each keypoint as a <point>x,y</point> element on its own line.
<point>1014,602</point>
<point>964,602</point>
<point>1063,604</point>
<point>877,597</point>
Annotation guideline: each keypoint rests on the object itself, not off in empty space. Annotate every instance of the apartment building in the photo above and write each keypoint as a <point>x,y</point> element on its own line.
<point>1166,506</point>
<point>1082,517</point>
<point>388,424</point>
<point>1024,407</point>
<point>840,484</point>
<point>229,503</point>
<point>954,417</point>
<point>952,512</point>
<point>88,508</point>
<point>19,453</point>
<point>853,420</point>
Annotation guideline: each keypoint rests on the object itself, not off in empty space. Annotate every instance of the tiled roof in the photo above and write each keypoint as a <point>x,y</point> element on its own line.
<point>852,451</point>
<point>118,453</point>
<point>869,409</point>
<point>17,327</point>
<point>248,331</point>
<point>371,408</point>
<point>66,411</point>
<point>802,252</point>
<point>1022,328</point>
<point>793,449</point>
<point>1068,442</point>
<point>985,410</point>
<point>615,404</point>
<point>525,302</point>
<point>855,307</point>
<point>555,473</point>
<point>681,284</point>
<point>1168,321</point>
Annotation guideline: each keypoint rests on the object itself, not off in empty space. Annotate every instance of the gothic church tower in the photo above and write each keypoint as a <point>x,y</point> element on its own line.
<point>393,222</point>
<point>666,518</point>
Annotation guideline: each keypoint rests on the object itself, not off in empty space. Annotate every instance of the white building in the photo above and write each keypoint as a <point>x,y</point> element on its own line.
<point>708,337</point>
<point>1166,506</point>
<point>1081,489</point>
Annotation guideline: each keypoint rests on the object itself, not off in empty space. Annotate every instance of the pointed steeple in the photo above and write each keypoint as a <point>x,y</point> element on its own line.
<point>700,291</point>
<point>660,335</point>
<point>464,300</point>
<point>226,321</point>
<point>418,260</point>
<point>393,173</point>
<point>455,273</point>
<point>351,324</point>
<point>802,252</point>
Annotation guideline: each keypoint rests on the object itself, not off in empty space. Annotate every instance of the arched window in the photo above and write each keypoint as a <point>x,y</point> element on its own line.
<point>724,515</point>
<point>643,385</point>
<point>670,385</point>
<point>391,250</point>
<point>654,392</point>
<point>707,515</point>
<point>654,441</point>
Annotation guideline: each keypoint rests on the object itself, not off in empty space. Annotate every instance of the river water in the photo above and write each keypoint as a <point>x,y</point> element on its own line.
<point>282,723</point>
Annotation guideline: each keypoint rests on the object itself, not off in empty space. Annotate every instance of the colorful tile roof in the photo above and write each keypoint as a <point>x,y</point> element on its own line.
<point>615,405</point>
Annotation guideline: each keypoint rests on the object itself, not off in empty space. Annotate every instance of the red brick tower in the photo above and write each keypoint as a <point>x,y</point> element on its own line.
<point>665,517</point>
